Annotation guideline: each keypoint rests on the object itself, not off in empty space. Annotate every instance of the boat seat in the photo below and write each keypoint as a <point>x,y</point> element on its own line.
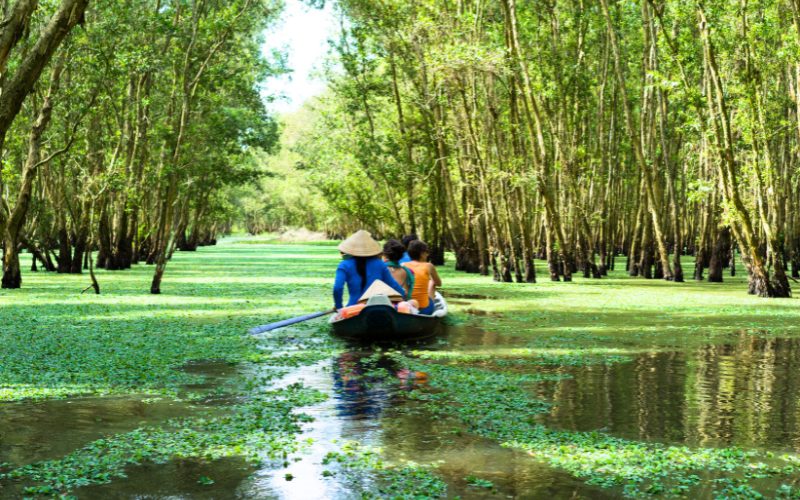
<point>379,300</point>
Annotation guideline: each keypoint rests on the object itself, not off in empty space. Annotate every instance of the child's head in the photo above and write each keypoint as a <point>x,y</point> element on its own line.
<point>407,239</point>
<point>418,250</point>
<point>393,250</point>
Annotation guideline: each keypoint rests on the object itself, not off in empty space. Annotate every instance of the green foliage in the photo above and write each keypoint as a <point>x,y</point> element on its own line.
<point>205,481</point>
<point>285,196</point>
<point>124,341</point>
<point>128,342</point>
<point>499,406</point>
<point>478,482</point>
<point>262,429</point>
<point>409,481</point>
<point>160,106</point>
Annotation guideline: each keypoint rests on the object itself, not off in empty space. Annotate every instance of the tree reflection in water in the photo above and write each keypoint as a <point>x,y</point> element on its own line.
<point>742,394</point>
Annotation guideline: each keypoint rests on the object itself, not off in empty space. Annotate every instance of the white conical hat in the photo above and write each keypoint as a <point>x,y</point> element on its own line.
<point>361,244</point>
<point>378,287</point>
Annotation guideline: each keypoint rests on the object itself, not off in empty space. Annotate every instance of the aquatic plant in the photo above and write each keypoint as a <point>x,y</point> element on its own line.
<point>501,406</point>
<point>364,468</point>
<point>262,429</point>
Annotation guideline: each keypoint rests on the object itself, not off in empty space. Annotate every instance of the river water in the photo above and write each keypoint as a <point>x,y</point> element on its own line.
<point>745,393</point>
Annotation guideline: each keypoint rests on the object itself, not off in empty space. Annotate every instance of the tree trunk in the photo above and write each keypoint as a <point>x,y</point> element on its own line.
<point>16,87</point>
<point>718,255</point>
<point>12,277</point>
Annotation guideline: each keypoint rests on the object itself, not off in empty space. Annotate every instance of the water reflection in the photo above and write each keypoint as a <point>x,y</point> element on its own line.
<point>743,394</point>
<point>469,337</point>
<point>40,430</point>
<point>33,430</point>
<point>364,384</point>
<point>366,405</point>
<point>176,480</point>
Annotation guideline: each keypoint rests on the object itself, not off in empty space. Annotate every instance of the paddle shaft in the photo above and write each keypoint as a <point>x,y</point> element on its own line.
<point>287,322</point>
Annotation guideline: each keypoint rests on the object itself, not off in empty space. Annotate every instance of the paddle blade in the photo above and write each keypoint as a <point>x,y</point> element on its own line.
<point>280,324</point>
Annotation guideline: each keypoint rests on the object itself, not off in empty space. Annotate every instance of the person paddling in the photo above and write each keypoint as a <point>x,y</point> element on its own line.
<point>426,279</point>
<point>360,266</point>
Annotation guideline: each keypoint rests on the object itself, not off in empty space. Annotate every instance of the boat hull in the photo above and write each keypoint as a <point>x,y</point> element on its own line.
<point>383,323</point>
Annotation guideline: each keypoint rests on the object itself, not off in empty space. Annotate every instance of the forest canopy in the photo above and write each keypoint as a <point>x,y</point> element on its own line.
<point>574,132</point>
<point>123,125</point>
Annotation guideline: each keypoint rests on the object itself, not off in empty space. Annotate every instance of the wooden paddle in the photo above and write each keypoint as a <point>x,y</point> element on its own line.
<point>287,322</point>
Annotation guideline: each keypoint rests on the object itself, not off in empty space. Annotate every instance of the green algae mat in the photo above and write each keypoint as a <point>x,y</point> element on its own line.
<point>611,387</point>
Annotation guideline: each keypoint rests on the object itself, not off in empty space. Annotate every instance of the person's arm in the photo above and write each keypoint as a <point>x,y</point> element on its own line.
<point>386,277</point>
<point>435,275</point>
<point>338,287</point>
<point>434,282</point>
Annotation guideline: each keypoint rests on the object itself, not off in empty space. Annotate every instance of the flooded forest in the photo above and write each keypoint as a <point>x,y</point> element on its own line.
<point>608,193</point>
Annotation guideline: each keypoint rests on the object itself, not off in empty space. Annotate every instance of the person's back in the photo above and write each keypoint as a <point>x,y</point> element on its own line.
<point>421,279</point>
<point>393,251</point>
<point>425,275</point>
<point>359,268</point>
<point>401,277</point>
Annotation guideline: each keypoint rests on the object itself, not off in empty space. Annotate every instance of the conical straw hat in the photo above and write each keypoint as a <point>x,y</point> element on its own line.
<point>360,244</point>
<point>378,287</point>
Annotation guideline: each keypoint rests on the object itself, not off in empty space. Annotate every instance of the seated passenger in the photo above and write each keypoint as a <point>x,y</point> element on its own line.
<point>393,251</point>
<point>360,267</point>
<point>407,241</point>
<point>426,279</point>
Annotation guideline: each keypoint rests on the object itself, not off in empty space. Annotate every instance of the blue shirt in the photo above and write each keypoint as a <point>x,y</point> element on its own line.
<point>347,273</point>
<point>405,258</point>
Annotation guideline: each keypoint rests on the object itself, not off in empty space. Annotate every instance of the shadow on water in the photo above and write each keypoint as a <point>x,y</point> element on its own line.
<point>744,394</point>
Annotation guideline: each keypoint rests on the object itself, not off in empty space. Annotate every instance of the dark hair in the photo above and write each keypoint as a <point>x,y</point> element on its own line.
<point>361,267</point>
<point>407,239</point>
<point>393,250</point>
<point>416,248</point>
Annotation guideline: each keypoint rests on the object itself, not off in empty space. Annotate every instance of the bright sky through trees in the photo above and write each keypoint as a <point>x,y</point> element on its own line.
<point>303,34</point>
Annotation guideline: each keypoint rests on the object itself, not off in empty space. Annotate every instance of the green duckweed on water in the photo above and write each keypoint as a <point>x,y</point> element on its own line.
<point>509,370</point>
<point>61,344</point>
<point>363,469</point>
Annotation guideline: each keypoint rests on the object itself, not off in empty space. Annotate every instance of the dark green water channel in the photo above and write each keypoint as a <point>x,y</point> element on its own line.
<point>746,393</point>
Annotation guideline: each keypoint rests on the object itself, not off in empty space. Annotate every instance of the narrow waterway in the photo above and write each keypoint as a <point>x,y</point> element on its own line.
<point>742,394</point>
<point>738,394</point>
<point>374,412</point>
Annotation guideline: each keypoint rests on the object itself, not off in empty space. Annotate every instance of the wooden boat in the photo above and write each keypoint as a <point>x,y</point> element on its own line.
<point>379,321</point>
